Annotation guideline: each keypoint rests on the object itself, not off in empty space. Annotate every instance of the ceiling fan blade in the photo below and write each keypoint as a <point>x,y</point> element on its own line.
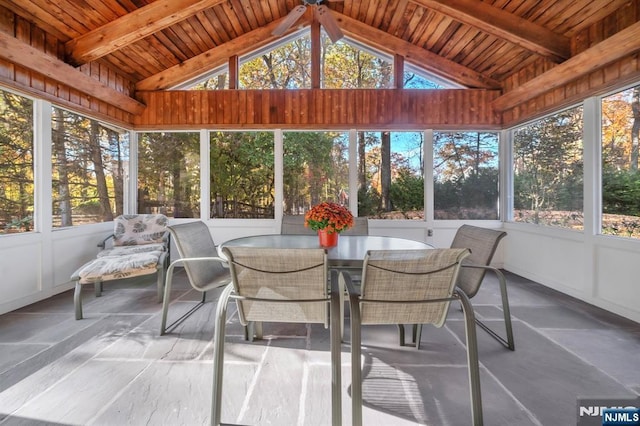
<point>329,23</point>
<point>289,20</point>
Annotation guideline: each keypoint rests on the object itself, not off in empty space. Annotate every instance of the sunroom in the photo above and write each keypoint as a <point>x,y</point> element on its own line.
<point>420,115</point>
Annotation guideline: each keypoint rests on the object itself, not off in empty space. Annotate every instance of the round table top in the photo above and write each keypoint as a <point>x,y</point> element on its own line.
<point>349,252</point>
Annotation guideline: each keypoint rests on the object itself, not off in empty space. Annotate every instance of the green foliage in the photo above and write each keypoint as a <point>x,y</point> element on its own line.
<point>621,192</point>
<point>315,169</point>
<point>242,172</point>
<point>407,191</point>
<point>368,202</point>
<point>548,166</point>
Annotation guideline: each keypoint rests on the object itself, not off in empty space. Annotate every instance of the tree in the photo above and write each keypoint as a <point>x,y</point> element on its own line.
<point>16,162</point>
<point>548,163</point>
<point>61,168</point>
<point>635,128</point>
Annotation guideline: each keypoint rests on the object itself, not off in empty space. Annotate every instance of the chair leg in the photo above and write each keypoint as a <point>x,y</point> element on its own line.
<point>97,286</point>
<point>508,342</point>
<point>472,358</point>
<point>77,300</point>
<point>165,299</point>
<point>161,280</point>
<point>336,328</point>
<point>218,354</point>
<point>417,334</point>
<point>401,334</point>
<point>356,368</point>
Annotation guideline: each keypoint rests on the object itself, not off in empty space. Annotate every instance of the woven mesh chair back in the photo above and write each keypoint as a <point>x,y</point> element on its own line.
<point>193,239</point>
<point>483,243</point>
<point>284,274</point>
<point>409,275</point>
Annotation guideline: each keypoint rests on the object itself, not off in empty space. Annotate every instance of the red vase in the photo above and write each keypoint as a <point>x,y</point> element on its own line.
<point>327,239</point>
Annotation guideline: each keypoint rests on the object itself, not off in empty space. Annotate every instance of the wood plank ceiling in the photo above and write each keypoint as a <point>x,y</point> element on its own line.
<point>158,44</point>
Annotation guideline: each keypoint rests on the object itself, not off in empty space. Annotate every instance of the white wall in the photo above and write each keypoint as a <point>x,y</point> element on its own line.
<point>37,265</point>
<point>601,270</point>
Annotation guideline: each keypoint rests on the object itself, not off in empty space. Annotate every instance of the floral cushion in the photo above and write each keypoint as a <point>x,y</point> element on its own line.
<point>117,267</point>
<point>129,250</point>
<point>139,229</point>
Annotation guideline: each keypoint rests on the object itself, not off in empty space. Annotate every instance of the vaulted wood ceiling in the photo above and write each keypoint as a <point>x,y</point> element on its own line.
<point>159,44</point>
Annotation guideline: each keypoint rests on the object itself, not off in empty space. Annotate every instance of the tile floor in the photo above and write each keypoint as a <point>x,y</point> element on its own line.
<point>113,368</point>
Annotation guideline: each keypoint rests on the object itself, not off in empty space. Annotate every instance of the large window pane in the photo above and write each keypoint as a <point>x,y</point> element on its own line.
<point>620,176</point>
<point>391,175</point>
<point>345,65</point>
<point>89,160</point>
<point>242,176</point>
<point>16,163</point>
<point>287,66</point>
<point>169,174</point>
<point>465,175</point>
<point>548,171</point>
<point>316,169</point>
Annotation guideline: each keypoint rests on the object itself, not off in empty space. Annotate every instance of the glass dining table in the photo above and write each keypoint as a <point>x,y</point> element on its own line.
<point>347,256</point>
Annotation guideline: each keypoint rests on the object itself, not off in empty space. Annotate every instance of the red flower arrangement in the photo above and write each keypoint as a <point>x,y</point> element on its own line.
<point>331,217</point>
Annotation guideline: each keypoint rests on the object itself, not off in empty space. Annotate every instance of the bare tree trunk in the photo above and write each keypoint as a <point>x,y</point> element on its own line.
<point>362,162</point>
<point>118,175</point>
<point>64,201</point>
<point>101,180</point>
<point>635,129</point>
<point>385,171</point>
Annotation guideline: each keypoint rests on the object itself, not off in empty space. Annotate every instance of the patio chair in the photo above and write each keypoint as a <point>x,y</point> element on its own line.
<point>138,246</point>
<point>294,225</point>
<point>199,256</point>
<point>483,243</point>
<point>409,287</point>
<point>278,285</point>
<point>360,227</point>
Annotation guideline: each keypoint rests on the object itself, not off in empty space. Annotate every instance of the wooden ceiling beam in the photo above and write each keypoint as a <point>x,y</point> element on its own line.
<point>219,55</point>
<point>423,58</point>
<point>505,25</point>
<point>131,27</point>
<point>619,45</point>
<point>39,62</point>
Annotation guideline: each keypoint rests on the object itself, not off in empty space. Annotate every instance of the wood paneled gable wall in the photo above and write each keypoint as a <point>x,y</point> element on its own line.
<point>517,63</point>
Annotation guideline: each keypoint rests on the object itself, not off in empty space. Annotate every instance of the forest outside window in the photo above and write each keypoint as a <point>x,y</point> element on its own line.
<point>242,175</point>
<point>89,162</point>
<point>548,171</point>
<point>391,175</point>
<point>316,169</point>
<point>169,174</point>
<point>16,163</point>
<point>465,175</point>
<point>620,175</point>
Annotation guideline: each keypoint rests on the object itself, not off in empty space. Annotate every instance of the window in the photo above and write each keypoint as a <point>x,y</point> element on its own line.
<point>465,175</point>
<point>242,174</point>
<point>288,66</point>
<point>620,176</point>
<point>169,174</point>
<point>548,171</point>
<point>391,175</point>
<point>348,65</point>
<point>316,169</point>
<point>89,160</point>
<point>16,163</point>
<point>217,81</point>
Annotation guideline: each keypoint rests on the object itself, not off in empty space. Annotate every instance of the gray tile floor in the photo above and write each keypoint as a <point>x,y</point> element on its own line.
<point>112,368</point>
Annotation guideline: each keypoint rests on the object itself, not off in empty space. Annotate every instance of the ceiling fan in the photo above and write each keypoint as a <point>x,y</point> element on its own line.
<point>322,14</point>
